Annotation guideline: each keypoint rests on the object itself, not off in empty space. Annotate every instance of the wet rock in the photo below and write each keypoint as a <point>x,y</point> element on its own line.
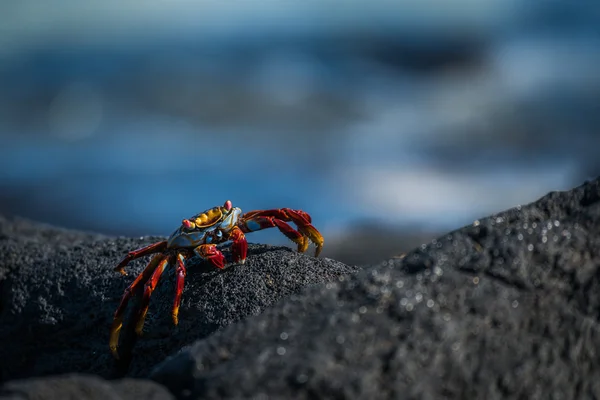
<point>58,294</point>
<point>507,307</point>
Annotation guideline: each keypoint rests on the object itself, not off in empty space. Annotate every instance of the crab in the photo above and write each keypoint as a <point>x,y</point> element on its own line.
<point>200,235</point>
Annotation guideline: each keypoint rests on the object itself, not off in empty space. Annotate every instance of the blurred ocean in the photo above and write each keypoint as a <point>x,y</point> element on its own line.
<point>388,121</point>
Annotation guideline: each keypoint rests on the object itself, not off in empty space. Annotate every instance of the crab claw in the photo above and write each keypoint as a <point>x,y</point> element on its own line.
<point>210,253</point>
<point>239,248</point>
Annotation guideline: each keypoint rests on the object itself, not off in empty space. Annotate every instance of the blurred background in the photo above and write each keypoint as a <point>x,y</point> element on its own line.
<point>389,121</point>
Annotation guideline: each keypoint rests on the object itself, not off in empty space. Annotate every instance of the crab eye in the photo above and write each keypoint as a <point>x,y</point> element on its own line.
<point>187,224</point>
<point>227,205</point>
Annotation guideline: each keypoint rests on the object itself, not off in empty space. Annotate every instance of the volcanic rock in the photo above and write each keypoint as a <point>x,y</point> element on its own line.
<point>58,294</point>
<point>507,307</point>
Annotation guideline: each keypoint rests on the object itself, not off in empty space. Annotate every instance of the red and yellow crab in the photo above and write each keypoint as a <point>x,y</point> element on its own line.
<point>200,235</point>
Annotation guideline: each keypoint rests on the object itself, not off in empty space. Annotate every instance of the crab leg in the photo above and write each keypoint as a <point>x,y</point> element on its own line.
<point>210,253</point>
<point>118,318</point>
<point>180,274</point>
<point>144,251</point>
<point>262,219</point>
<point>259,223</point>
<point>239,248</point>
<point>148,289</point>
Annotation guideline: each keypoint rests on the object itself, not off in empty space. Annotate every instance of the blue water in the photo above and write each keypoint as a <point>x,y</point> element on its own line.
<point>405,118</point>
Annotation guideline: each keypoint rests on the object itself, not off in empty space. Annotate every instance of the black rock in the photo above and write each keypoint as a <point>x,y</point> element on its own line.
<point>58,294</point>
<point>505,308</point>
<point>79,387</point>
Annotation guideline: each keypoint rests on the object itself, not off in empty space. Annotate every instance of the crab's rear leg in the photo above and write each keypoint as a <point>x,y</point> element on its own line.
<point>180,274</point>
<point>118,318</point>
<point>148,289</point>
<point>157,247</point>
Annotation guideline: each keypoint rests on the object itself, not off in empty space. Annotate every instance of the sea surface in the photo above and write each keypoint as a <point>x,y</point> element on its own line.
<point>126,117</point>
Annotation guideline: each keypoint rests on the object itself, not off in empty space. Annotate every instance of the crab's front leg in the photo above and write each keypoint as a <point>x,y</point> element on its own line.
<point>277,218</point>
<point>210,253</point>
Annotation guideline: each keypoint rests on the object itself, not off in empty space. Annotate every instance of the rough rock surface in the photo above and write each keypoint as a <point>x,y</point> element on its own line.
<point>58,293</point>
<point>505,308</point>
<point>77,387</point>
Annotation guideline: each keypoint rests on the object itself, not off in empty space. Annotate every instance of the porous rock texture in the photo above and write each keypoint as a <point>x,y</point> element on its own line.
<point>58,294</point>
<point>507,307</point>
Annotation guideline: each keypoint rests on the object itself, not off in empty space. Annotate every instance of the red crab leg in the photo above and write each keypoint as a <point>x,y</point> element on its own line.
<point>118,318</point>
<point>239,248</point>
<point>144,251</point>
<point>148,289</point>
<point>180,274</point>
<point>210,253</point>
<point>258,223</point>
<point>261,219</point>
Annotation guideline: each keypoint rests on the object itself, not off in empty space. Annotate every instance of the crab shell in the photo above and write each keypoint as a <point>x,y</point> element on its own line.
<point>212,226</point>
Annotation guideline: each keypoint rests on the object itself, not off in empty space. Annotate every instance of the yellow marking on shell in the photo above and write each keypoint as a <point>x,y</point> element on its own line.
<point>208,218</point>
